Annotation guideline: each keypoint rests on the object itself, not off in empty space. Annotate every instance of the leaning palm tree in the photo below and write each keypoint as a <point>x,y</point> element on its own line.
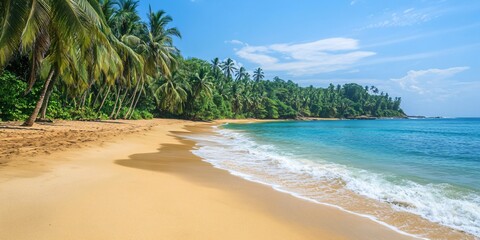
<point>228,68</point>
<point>51,28</point>
<point>126,25</point>
<point>160,55</point>
<point>151,54</point>
<point>258,74</point>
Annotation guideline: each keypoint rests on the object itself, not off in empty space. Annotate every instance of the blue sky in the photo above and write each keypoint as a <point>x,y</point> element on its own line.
<point>425,51</point>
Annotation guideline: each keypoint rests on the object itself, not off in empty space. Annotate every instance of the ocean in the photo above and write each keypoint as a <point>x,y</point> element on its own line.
<point>411,175</point>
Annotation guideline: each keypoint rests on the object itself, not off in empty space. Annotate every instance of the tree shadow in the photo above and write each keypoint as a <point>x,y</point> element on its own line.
<point>21,128</point>
<point>179,160</point>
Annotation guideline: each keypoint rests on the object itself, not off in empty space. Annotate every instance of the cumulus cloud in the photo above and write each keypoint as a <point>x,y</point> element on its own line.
<point>431,81</point>
<point>325,55</point>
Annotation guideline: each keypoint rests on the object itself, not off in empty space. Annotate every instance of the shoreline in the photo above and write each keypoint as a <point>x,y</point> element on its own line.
<point>148,184</point>
<point>417,227</point>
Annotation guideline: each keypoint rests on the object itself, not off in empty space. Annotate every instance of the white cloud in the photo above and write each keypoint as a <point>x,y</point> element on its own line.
<point>404,18</point>
<point>234,41</point>
<point>326,55</point>
<point>433,81</point>
<point>437,92</point>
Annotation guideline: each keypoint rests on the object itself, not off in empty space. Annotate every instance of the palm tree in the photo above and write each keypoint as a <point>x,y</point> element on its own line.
<point>216,67</point>
<point>258,74</point>
<point>240,74</point>
<point>159,42</point>
<point>51,28</point>
<point>125,22</point>
<point>202,84</point>
<point>150,55</point>
<point>108,10</point>
<point>125,19</point>
<point>228,68</point>
<point>172,93</point>
<point>201,89</point>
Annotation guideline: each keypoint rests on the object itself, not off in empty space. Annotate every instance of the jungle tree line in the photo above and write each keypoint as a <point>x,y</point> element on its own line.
<point>90,59</point>
<point>220,89</point>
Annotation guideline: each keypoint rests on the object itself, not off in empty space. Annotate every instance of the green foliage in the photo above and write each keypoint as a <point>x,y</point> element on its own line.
<point>145,114</point>
<point>13,105</point>
<point>218,95</point>
<point>84,114</point>
<point>272,109</point>
<point>136,115</point>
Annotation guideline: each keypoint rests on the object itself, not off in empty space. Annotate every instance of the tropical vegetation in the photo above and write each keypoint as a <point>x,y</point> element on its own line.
<point>91,59</point>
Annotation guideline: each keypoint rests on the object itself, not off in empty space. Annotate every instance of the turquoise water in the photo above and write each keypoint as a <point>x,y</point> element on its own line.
<point>425,151</point>
<point>430,166</point>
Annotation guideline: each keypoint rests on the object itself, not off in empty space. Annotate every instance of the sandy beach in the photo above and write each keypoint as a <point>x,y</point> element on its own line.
<point>139,180</point>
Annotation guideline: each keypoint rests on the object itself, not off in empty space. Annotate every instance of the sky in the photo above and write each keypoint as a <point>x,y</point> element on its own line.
<point>425,51</point>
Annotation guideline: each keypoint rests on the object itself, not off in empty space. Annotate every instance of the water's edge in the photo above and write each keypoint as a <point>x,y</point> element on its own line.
<point>202,151</point>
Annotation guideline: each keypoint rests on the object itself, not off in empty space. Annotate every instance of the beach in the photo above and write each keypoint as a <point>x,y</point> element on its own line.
<point>146,184</point>
<point>142,119</point>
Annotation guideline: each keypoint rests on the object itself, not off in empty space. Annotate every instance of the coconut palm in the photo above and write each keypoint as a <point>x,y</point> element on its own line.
<point>172,93</point>
<point>61,30</point>
<point>108,10</point>
<point>159,42</point>
<point>216,67</point>
<point>241,73</point>
<point>258,74</point>
<point>158,54</point>
<point>228,68</point>
<point>202,84</point>
<point>125,19</point>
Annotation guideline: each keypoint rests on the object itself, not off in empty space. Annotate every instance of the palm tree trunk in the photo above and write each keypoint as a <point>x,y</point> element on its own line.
<point>97,96</point>
<point>103,100</point>
<point>74,100</point>
<point>85,94</point>
<point>33,72</point>
<point>120,104</point>
<point>43,110</point>
<point>117,97</point>
<point>136,101</point>
<point>132,101</point>
<point>83,98</point>
<point>34,114</point>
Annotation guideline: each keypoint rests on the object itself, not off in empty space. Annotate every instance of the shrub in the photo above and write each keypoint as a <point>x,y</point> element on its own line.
<point>146,114</point>
<point>13,104</point>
